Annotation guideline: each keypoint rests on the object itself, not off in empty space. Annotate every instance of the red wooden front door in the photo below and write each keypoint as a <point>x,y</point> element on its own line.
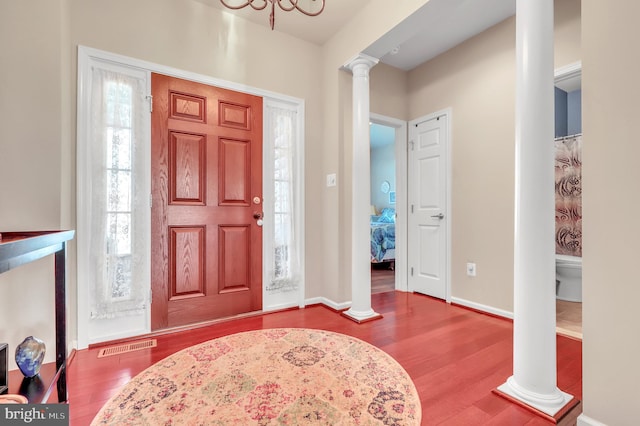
<point>206,158</point>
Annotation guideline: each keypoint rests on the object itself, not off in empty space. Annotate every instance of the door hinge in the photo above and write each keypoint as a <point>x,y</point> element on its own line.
<point>412,271</point>
<point>151,200</point>
<point>150,98</point>
<point>412,145</point>
<point>411,208</point>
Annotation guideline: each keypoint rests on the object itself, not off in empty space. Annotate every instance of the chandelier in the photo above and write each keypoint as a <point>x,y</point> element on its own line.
<point>286,5</point>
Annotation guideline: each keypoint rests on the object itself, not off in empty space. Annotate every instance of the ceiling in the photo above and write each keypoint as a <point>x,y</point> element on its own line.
<point>433,29</point>
<point>317,29</point>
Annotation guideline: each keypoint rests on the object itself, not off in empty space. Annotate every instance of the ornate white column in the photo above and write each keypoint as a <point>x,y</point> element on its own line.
<point>361,193</point>
<point>534,380</point>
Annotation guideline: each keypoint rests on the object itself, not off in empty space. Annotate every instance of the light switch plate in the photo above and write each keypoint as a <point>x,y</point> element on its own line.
<point>471,269</point>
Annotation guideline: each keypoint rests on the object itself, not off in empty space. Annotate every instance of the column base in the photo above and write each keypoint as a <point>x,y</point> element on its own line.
<point>556,404</point>
<point>360,316</point>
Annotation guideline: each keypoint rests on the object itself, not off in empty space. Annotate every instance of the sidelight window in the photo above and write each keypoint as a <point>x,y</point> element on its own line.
<point>118,215</point>
<point>283,267</point>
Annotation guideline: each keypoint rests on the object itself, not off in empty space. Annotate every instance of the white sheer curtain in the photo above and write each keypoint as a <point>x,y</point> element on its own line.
<point>118,270</point>
<point>283,266</point>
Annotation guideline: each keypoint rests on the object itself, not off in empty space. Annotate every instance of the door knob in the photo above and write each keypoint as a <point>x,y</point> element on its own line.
<point>438,216</point>
<point>258,217</point>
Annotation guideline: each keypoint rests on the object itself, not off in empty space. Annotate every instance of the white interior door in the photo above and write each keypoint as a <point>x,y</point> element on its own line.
<point>427,236</point>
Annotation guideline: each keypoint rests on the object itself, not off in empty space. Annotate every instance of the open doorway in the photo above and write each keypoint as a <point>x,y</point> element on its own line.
<point>568,188</point>
<point>383,207</point>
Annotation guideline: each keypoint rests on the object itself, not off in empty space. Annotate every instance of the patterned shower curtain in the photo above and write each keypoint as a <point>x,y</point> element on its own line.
<point>568,171</point>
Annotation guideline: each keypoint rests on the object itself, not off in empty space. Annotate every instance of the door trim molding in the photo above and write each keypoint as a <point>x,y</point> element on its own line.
<point>85,54</point>
<point>448,112</point>
<point>186,75</point>
<point>400,126</point>
<point>567,72</point>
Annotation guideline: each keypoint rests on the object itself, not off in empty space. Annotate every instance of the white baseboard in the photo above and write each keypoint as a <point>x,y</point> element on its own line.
<point>280,307</point>
<point>482,308</point>
<point>588,421</point>
<point>328,302</point>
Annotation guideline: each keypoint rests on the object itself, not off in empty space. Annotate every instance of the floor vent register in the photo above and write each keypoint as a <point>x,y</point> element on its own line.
<point>127,347</point>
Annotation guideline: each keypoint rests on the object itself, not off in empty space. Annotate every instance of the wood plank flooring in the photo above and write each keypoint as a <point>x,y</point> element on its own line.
<point>568,314</point>
<point>383,278</point>
<point>569,318</point>
<point>455,356</point>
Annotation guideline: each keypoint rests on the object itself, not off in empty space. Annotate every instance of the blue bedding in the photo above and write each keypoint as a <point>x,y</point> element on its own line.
<point>383,238</point>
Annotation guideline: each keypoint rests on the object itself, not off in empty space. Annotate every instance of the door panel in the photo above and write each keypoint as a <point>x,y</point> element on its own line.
<point>206,189</point>
<point>187,107</point>
<point>427,212</point>
<point>430,261</point>
<point>234,268</point>
<point>235,116</point>
<point>235,172</point>
<point>187,168</point>
<point>429,182</point>
<point>188,262</point>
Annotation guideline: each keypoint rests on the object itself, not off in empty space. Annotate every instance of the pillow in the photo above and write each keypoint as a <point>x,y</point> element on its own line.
<point>388,215</point>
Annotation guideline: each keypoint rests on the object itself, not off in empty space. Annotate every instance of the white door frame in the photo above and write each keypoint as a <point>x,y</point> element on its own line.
<point>568,72</point>
<point>448,112</point>
<point>84,54</point>
<point>400,127</point>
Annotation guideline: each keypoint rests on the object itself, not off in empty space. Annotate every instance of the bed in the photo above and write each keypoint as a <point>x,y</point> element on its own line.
<point>383,237</point>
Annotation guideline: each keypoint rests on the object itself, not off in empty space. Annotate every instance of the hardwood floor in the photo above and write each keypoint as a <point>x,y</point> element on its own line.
<point>568,314</point>
<point>569,318</point>
<point>455,356</point>
<point>383,278</point>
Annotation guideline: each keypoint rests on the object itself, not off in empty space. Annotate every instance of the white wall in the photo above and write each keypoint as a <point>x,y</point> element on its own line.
<point>37,112</point>
<point>383,168</point>
<point>375,19</point>
<point>31,175</point>
<point>477,80</point>
<point>611,229</point>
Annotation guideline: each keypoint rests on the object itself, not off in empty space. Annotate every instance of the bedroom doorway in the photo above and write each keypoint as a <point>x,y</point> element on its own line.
<point>383,202</point>
<point>388,189</point>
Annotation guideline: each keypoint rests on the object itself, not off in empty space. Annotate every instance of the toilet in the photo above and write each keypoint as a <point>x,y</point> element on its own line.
<point>569,278</point>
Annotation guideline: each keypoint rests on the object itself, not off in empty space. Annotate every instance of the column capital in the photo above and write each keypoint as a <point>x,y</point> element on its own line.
<point>361,60</point>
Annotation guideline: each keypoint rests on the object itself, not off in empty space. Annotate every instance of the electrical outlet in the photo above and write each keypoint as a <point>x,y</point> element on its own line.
<point>331,179</point>
<point>471,269</point>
